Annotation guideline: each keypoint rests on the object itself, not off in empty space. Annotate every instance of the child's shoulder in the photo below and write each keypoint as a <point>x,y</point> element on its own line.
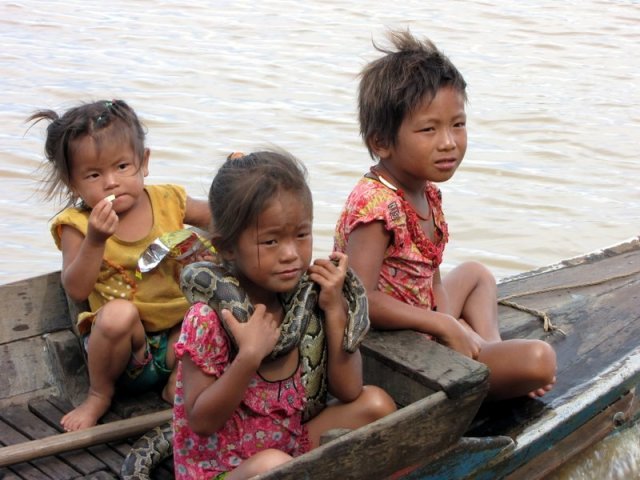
<point>168,199</point>
<point>370,201</point>
<point>370,195</point>
<point>75,217</point>
<point>370,188</point>
<point>166,191</point>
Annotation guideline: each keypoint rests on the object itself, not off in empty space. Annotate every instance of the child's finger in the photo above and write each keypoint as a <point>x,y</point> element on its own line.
<point>341,258</point>
<point>229,319</point>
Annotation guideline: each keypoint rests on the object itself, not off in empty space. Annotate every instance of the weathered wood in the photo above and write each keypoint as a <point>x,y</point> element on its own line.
<point>26,370</point>
<point>6,474</point>
<point>32,307</point>
<point>33,427</point>
<point>52,415</point>
<point>587,435</point>
<point>419,430</point>
<point>68,365</point>
<point>83,438</point>
<point>38,468</point>
<point>410,366</point>
<point>462,459</point>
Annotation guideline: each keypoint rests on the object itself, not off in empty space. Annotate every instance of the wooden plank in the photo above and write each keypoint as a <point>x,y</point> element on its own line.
<point>37,430</point>
<point>6,474</point>
<point>588,434</point>
<point>419,430</point>
<point>564,280</point>
<point>32,307</point>
<point>111,454</point>
<point>42,468</point>
<point>48,443</point>
<point>26,370</point>
<point>68,365</point>
<point>461,460</point>
<point>52,415</point>
<point>410,366</point>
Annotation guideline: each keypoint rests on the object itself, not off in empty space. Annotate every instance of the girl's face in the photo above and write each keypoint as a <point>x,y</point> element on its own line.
<point>114,169</point>
<point>272,255</point>
<point>431,141</point>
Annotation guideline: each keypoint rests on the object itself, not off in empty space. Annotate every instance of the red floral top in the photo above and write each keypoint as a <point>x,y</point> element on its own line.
<point>269,416</point>
<point>411,258</point>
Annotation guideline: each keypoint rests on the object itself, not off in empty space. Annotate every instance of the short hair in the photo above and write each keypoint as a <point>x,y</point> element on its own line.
<point>394,85</point>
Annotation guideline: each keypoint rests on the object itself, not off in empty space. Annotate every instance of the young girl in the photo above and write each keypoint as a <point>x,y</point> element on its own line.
<point>413,121</point>
<point>238,411</point>
<point>98,161</point>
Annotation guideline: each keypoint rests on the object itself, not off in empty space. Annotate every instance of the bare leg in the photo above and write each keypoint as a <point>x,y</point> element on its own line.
<point>169,390</point>
<point>471,291</point>
<point>372,404</point>
<point>116,333</point>
<point>261,462</point>
<point>519,367</point>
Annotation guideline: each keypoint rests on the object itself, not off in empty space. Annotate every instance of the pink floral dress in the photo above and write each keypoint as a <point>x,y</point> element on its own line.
<point>411,259</point>
<point>269,416</point>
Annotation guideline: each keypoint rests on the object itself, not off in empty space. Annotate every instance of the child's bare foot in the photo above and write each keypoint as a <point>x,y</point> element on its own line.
<point>169,390</point>
<point>540,392</point>
<point>87,413</point>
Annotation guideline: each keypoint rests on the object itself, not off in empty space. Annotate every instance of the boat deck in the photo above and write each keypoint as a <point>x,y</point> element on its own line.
<point>40,418</point>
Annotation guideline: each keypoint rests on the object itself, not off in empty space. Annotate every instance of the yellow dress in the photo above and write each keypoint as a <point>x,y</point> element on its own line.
<point>156,293</point>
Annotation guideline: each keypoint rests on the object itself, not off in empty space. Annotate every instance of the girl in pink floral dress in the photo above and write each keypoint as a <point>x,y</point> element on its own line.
<point>237,411</point>
<point>413,121</point>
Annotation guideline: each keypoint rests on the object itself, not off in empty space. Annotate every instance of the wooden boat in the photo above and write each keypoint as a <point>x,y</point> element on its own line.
<point>441,429</point>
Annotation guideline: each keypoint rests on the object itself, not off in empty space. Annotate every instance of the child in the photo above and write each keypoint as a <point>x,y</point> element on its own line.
<point>238,411</point>
<point>97,159</point>
<point>413,121</point>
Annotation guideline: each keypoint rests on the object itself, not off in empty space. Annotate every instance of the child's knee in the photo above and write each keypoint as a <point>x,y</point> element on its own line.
<point>376,402</point>
<point>543,361</point>
<point>269,459</point>
<point>116,318</point>
<point>482,273</point>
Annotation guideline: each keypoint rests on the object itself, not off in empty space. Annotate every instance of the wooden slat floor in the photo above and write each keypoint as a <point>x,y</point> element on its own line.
<point>41,418</point>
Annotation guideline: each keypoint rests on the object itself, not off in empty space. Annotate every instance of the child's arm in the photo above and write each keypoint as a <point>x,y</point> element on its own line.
<point>366,247</point>
<point>210,402</point>
<point>82,256</point>
<point>197,213</point>
<point>344,369</point>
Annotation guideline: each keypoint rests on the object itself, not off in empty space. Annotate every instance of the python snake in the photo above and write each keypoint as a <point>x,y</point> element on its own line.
<point>302,327</point>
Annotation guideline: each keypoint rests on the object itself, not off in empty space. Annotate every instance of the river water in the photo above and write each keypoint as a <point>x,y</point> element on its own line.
<point>553,116</point>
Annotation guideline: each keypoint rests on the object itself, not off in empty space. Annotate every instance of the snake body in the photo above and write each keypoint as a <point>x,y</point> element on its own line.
<point>302,327</point>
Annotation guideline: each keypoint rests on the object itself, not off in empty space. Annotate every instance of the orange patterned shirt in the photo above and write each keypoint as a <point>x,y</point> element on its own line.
<point>411,258</point>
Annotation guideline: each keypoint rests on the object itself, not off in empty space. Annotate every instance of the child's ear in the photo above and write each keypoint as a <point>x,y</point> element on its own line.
<point>379,147</point>
<point>227,254</point>
<point>145,161</point>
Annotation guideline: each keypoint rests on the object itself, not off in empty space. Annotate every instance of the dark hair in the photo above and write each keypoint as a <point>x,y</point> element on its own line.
<point>244,186</point>
<point>397,83</point>
<point>103,120</point>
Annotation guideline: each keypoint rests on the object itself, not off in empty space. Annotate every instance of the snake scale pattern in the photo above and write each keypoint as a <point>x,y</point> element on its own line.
<point>302,327</point>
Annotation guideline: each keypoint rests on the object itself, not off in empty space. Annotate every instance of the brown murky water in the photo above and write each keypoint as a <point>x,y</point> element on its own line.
<point>553,116</point>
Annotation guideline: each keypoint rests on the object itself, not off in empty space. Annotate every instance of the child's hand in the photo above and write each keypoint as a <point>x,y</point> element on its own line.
<point>330,277</point>
<point>103,222</point>
<point>257,337</point>
<point>460,337</point>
